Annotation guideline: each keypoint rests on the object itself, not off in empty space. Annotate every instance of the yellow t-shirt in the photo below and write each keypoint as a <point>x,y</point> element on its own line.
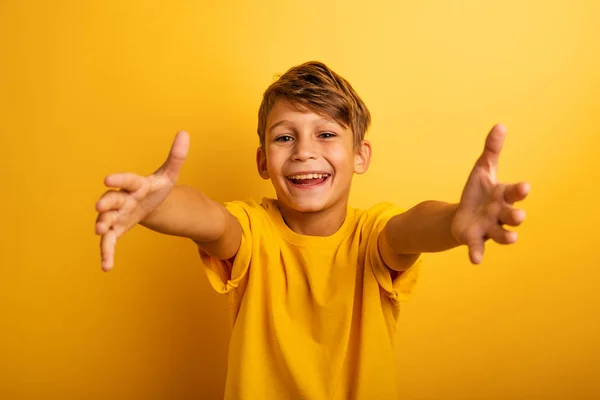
<point>313,317</point>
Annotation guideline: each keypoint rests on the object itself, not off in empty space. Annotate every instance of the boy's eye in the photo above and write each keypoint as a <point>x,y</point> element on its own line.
<point>284,138</point>
<point>327,135</point>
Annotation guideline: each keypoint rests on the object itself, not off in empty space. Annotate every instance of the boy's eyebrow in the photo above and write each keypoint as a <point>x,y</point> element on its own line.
<point>283,121</point>
<point>276,124</point>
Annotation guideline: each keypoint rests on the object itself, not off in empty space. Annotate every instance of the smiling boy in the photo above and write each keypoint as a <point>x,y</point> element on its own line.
<point>314,284</point>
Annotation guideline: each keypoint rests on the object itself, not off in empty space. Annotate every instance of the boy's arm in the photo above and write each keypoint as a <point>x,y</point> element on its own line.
<point>425,228</point>
<point>485,206</point>
<point>189,213</point>
<point>156,202</point>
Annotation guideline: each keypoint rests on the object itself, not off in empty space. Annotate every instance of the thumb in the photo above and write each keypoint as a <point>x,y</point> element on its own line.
<point>176,157</point>
<point>493,146</point>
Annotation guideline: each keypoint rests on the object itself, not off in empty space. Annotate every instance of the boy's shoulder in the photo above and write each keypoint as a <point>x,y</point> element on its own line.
<point>251,212</point>
<point>374,217</point>
<point>251,206</point>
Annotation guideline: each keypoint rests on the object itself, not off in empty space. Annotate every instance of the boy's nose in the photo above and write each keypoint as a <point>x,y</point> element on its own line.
<point>304,149</point>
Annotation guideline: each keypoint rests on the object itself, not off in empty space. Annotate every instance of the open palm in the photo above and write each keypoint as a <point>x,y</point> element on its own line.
<point>486,204</point>
<point>136,198</point>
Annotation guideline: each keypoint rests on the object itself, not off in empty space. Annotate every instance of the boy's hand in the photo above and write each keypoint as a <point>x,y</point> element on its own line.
<point>486,204</point>
<point>120,210</point>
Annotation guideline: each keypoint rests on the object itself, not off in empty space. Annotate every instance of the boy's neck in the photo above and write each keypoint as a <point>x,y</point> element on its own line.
<point>319,223</point>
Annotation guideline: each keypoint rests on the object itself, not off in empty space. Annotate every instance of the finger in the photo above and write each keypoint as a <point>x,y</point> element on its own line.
<point>111,200</point>
<point>516,192</point>
<point>476,250</point>
<point>105,221</point>
<point>177,156</point>
<point>502,236</point>
<point>493,146</point>
<point>127,181</point>
<point>511,216</point>
<point>107,249</point>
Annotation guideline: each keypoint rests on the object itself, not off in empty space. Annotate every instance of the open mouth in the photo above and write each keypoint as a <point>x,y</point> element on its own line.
<point>308,180</point>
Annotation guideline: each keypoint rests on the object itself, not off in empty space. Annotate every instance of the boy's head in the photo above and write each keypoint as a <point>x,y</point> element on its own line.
<point>311,126</point>
<point>314,87</point>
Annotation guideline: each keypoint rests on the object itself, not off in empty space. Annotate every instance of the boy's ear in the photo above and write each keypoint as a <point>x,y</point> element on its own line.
<point>362,157</point>
<point>261,163</point>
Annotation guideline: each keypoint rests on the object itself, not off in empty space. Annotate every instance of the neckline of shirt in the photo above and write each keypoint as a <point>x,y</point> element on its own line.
<point>306,240</point>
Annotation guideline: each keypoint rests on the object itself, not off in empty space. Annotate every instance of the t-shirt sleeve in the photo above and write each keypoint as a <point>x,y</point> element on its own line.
<point>399,286</point>
<point>225,276</point>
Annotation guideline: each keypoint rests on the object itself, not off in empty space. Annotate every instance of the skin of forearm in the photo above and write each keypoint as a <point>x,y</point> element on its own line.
<point>425,228</point>
<point>187,212</point>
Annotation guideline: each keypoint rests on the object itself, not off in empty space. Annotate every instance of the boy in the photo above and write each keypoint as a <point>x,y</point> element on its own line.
<point>314,284</point>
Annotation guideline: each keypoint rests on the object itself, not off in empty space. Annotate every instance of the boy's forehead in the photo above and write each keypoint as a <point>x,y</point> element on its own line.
<point>285,111</point>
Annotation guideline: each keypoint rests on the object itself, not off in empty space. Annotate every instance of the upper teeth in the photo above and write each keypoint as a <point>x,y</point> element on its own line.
<point>308,176</point>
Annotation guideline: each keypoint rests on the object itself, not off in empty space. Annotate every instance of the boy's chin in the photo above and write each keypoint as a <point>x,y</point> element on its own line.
<point>309,208</point>
<point>308,205</point>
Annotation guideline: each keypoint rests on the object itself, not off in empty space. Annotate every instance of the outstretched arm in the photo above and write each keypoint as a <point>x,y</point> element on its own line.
<point>189,213</point>
<point>486,205</point>
<point>155,202</point>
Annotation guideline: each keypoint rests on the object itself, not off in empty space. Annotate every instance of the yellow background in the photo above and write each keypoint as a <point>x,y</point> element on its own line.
<point>91,88</point>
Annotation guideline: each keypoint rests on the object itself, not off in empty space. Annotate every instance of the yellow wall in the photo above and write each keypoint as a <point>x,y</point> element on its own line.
<point>90,88</point>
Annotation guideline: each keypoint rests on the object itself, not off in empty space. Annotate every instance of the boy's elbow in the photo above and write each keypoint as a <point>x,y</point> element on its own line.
<point>225,237</point>
<point>394,259</point>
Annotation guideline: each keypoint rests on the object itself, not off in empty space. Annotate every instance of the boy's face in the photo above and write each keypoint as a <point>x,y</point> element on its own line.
<point>309,158</point>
